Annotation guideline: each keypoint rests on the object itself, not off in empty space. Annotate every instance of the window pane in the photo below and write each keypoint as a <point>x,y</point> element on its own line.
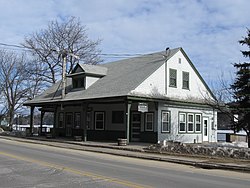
<point>165,127</point>
<point>99,125</point>
<point>198,127</point>
<point>165,117</point>
<point>99,116</point>
<point>149,126</point>
<point>182,118</point>
<point>182,127</point>
<point>68,118</point>
<point>198,118</point>
<point>190,127</point>
<point>149,118</point>
<point>190,118</point>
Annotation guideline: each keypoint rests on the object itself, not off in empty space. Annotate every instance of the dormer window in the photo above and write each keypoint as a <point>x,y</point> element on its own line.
<point>84,75</point>
<point>78,82</point>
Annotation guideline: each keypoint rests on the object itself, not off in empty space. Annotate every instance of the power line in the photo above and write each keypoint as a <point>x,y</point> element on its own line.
<point>107,55</point>
<point>11,45</point>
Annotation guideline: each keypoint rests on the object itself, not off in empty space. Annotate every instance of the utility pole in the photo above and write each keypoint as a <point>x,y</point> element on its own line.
<point>64,56</point>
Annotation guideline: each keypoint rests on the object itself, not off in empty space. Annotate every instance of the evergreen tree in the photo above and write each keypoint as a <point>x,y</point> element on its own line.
<point>241,91</point>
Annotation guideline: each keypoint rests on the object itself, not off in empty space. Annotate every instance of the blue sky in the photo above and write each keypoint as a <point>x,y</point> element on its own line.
<point>208,30</point>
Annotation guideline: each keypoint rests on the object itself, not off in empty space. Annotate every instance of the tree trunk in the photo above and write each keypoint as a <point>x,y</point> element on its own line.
<point>11,119</point>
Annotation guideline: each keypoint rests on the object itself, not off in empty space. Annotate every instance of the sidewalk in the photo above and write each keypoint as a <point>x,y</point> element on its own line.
<point>137,150</point>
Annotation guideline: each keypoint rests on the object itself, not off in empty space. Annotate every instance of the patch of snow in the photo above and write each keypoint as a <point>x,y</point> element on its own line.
<point>232,132</point>
<point>233,144</point>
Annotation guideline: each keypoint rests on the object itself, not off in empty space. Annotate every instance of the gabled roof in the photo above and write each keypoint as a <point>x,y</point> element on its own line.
<point>121,77</point>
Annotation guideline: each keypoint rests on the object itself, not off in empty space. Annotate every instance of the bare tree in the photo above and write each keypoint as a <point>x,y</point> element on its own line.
<point>70,36</point>
<point>15,82</point>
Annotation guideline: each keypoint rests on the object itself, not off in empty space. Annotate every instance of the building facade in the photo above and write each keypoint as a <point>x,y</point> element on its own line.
<point>151,98</point>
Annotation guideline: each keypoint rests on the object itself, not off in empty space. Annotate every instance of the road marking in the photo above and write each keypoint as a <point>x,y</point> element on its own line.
<point>75,171</point>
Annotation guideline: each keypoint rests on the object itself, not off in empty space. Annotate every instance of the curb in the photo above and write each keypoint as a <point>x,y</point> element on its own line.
<point>137,154</point>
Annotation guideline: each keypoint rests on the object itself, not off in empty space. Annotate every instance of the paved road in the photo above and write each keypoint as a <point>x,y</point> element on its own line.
<point>32,165</point>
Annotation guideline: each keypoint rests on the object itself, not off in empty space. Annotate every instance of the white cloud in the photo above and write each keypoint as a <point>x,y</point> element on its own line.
<point>208,30</point>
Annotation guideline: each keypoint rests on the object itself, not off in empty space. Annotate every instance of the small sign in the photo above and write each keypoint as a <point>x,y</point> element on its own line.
<point>142,107</point>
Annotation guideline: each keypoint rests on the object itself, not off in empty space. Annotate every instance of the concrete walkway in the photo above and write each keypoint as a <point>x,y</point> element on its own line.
<point>137,150</point>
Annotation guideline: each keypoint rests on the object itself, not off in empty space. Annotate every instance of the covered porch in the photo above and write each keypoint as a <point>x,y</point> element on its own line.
<point>103,119</point>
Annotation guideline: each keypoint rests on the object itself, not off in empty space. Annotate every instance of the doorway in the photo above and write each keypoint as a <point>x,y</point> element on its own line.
<point>205,129</point>
<point>135,126</point>
<point>69,124</point>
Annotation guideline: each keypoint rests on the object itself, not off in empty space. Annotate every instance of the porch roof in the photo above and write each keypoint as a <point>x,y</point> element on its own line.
<point>122,77</point>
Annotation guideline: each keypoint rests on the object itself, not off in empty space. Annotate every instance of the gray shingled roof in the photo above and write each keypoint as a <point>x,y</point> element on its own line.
<point>94,69</point>
<point>122,77</point>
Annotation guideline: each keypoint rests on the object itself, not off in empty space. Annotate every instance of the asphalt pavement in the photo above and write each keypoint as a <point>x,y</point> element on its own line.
<point>137,150</point>
<point>24,164</point>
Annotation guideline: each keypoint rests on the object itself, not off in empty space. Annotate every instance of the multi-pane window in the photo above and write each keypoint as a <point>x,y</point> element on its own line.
<point>77,120</point>
<point>182,122</point>
<point>197,123</point>
<point>60,120</point>
<point>165,121</point>
<point>173,77</point>
<point>149,122</point>
<point>99,120</point>
<point>190,123</point>
<point>185,80</point>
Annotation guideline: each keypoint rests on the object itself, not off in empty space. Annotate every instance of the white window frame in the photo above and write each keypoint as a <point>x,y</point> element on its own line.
<point>185,121</point>
<point>190,122</point>
<point>174,78</point>
<point>185,81</point>
<point>146,121</point>
<point>196,122</point>
<point>168,121</point>
<point>103,120</point>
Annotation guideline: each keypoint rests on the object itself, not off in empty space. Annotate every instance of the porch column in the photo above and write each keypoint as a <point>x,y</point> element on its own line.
<point>41,122</point>
<point>55,122</point>
<point>31,120</point>
<point>128,107</point>
<point>85,134</point>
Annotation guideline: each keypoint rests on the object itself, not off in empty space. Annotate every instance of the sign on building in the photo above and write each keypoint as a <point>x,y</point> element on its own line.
<point>142,107</point>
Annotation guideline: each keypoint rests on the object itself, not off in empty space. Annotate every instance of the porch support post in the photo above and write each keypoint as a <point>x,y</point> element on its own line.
<point>128,107</point>
<point>55,122</point>
<point>85,134</point>
<point>41,122</point>
<point>31,120</point>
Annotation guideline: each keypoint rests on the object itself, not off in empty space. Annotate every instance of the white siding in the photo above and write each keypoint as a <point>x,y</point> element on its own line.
<point>157,84</point>
<point>174,125</point>
<point>90,80</point>
<point>154,85</point>
<point>196,87</point>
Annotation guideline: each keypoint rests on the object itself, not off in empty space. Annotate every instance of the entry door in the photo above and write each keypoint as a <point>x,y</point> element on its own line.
<point>205,129</point>
<point>69,124</point>
<point>135,126</point>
